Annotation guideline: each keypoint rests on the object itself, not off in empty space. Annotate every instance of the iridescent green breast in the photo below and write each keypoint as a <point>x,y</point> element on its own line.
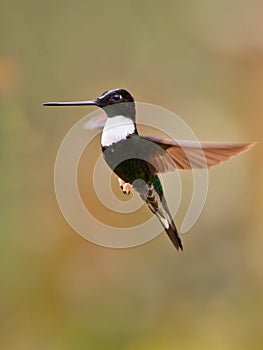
<point>124,161</point>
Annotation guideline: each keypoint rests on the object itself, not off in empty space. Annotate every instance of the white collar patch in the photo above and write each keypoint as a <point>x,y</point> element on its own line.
<point>116,129</point>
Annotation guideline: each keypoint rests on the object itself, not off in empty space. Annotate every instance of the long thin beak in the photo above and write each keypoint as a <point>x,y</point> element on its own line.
<point>74,103</point>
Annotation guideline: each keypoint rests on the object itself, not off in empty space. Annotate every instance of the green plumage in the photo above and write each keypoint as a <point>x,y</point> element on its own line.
<point>128,159</point>
<point>136,169</point>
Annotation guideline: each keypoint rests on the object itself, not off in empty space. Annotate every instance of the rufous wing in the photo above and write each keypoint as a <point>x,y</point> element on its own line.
<point>192,154</point>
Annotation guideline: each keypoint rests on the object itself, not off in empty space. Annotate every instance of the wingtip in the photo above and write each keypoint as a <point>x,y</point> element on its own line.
<point>248,146</point>
<point>252,144</point>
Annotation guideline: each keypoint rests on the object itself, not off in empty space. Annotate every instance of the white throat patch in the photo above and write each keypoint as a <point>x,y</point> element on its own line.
<point>116,129</point>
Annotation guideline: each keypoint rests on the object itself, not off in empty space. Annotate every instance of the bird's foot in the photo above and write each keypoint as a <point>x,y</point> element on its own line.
<point>125,186</point>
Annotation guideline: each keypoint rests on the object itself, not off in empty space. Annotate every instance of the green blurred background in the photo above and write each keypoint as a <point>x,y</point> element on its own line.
<point>202,60</point>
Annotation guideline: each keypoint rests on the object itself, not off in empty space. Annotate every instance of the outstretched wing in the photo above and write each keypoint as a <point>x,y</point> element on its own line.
<point>169,155</point>
<point>191,154</point>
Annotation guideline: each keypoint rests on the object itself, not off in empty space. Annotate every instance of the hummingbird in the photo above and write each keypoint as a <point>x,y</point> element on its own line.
<point>137,160</point>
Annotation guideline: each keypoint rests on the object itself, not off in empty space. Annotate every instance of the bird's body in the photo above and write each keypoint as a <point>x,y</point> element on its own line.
<point>137,160</point>
<point>120,136</point>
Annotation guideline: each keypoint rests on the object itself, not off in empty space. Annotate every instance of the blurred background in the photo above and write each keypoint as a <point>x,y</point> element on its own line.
<point>202,60</point>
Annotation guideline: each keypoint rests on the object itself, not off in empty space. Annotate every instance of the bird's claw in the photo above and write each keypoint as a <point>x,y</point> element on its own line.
<point>125,186</point>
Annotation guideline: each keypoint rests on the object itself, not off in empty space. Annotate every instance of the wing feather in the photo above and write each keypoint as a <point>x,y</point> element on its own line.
<point>192,154</point>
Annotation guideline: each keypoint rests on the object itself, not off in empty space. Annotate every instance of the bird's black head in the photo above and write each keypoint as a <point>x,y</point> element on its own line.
<point>115,96</point>
<point>117,102</point>
<point>114,102</point>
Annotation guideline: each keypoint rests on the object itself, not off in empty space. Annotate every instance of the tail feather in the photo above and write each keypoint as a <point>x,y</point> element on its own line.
<point>174,235</point>
<point>159,207</point>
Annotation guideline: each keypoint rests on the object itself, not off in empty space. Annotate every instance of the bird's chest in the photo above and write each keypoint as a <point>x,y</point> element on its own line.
<point>116,129</point>
<point>124,159</point>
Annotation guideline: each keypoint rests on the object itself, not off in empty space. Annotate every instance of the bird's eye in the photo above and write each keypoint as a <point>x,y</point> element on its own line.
<point>117,97</point>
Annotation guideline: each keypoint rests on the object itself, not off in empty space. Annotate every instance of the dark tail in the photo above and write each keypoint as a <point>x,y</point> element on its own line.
<point>159,207</point>
<point>174,235</point>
